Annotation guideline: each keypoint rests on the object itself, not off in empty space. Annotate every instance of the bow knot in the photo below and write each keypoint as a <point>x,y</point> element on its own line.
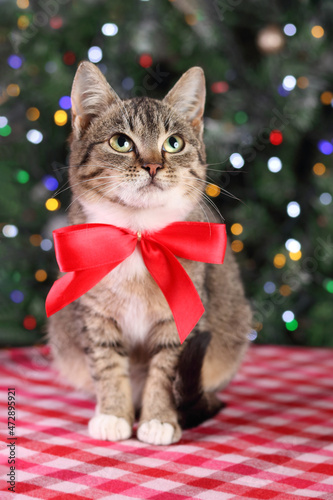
<point>81,253</point>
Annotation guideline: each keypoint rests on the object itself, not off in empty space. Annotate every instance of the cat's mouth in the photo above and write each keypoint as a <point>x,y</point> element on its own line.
<point>151,184</point>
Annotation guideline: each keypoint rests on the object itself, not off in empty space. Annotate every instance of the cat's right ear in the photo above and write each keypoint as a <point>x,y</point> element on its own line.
<point>91,94</point>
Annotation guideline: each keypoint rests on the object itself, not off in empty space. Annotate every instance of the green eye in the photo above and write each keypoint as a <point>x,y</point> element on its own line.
<point>173,144</point>
<point>121,143</point>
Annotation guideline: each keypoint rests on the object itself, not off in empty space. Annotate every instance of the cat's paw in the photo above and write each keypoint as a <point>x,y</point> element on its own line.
<point>156,432</point>
<point>109,428</point>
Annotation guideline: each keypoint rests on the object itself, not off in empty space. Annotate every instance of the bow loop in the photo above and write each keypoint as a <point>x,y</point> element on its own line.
<point>86,246</point>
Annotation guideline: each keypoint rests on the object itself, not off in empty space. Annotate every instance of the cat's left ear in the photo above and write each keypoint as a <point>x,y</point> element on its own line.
<point>91,95</point>
<point>188,96</point>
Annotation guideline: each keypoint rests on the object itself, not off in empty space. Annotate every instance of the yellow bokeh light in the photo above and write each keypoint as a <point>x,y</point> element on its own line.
<point>13,90</point>
<point>35,239</point>
<point>23,22</point>
<point>326,97</point>
<point>236,229</point>
<point>302,82</point>
<point>319,169</point>
<point>213,190</point>
<point>279,260</point>
<point>237,246</point>
<point>295,255</point>
<point>317,31</point>
<point>60,117</point>
<point>32,114</point>
<point>285,290</point>
<point>22,4</point>
<point>258,326</point>
<point>52,204</point>
<point>191,19</point>
<point>40,275</point>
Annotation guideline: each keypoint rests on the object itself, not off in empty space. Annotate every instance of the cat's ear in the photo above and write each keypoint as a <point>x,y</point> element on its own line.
<point>91,94</point>
<point>188,95</point>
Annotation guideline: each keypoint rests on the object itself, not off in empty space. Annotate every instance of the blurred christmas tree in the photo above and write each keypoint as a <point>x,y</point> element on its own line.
<point>269,70</point>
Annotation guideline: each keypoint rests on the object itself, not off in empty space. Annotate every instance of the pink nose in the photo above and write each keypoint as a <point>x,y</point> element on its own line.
<point>152,168</point>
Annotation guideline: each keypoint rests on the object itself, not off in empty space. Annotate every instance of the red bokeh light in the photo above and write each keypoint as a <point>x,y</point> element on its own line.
<point>275,137</point>
<point>69,58</point>
<point>56,22</point>
<point>29,322</point>
<point>145,60</point>
<point>219,87</point>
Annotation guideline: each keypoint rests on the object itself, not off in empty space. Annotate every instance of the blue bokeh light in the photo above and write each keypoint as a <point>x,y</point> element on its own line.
<point>50,182</point>
<point>65,102</point>
<point>15,61</point>
<point>17,296</point>
<point>325,147</point>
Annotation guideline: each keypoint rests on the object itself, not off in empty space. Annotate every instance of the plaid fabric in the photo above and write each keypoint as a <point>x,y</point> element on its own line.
<point>274,440</point>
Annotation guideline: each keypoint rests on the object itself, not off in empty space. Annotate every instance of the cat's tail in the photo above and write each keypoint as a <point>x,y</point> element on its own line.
<point>193,404</point>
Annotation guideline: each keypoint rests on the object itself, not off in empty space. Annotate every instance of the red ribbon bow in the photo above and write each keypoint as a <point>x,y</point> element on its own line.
<point>88,252</point>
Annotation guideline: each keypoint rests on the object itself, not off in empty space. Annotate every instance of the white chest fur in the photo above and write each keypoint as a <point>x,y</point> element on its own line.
<point>135,321</point>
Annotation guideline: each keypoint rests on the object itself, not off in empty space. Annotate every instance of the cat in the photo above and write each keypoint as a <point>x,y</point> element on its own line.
<point>140,164</point>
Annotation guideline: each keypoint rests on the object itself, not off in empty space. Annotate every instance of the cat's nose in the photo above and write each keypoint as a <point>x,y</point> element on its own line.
<point>152,168</point>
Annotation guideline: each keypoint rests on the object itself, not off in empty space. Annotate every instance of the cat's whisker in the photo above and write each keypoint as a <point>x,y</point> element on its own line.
<point>85,192</point>
<point>227,193</point>
<point>110,190</point>
<point>82,182</point>
<point>205,197</point>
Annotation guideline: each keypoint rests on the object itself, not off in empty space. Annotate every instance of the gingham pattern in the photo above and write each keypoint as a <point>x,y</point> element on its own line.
<point>274,440</point>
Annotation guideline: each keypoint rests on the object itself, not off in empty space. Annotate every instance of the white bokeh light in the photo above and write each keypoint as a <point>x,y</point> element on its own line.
<point>293,209</point>
<point>10,231</point>
<point>95,54</point>
<point>289,82</point>
<point>292,245</point>
<point>288,316</point>
<point>3,121</point>
<point>274,164</point>
<point>46,245</point>
<point>109,29</point>
<point>236,160</point>
<point>325,198</point>
<point>290,29</point>
<point>34,136</point>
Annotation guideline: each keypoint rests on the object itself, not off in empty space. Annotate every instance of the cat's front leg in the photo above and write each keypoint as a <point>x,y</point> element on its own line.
<point>159,419</point>
<point>109,368</point>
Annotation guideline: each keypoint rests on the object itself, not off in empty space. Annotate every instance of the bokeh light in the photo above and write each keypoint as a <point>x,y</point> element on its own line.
<point>293,209</point>
<point>319,169</point>
<point>95,54</point>
<point>34,136</point>
<point>236,160</point>
<point>32,114</point>
<point>212,190</point>
<point>274,164</point>
<point>109,29</point>
<point>60,117</point>
<point>237,246</point>
<point>279,260</point>
<point>52,204</point>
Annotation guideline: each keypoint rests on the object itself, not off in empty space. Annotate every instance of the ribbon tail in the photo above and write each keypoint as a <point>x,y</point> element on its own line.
<point>176,285</point>
<point>71,286</point>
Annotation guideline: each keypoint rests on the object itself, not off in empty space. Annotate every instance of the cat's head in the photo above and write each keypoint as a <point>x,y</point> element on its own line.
<point>140,153</point>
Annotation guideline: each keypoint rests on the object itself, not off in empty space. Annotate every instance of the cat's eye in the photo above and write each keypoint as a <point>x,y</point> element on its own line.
<point>173,144</point>
<point>121,143</point>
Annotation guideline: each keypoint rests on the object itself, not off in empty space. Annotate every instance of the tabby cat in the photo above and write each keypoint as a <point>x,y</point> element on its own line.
<point>140,164</point>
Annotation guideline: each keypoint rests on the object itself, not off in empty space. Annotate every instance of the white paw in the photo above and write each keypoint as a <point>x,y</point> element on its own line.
<point>109,428</point>
<point>156,432</point>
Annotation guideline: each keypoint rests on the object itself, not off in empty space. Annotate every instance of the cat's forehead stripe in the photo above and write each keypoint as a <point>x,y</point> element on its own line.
<point>147,115</point>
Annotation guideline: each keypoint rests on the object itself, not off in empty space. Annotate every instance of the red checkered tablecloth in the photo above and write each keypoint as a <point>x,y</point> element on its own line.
<point>274,440</point>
